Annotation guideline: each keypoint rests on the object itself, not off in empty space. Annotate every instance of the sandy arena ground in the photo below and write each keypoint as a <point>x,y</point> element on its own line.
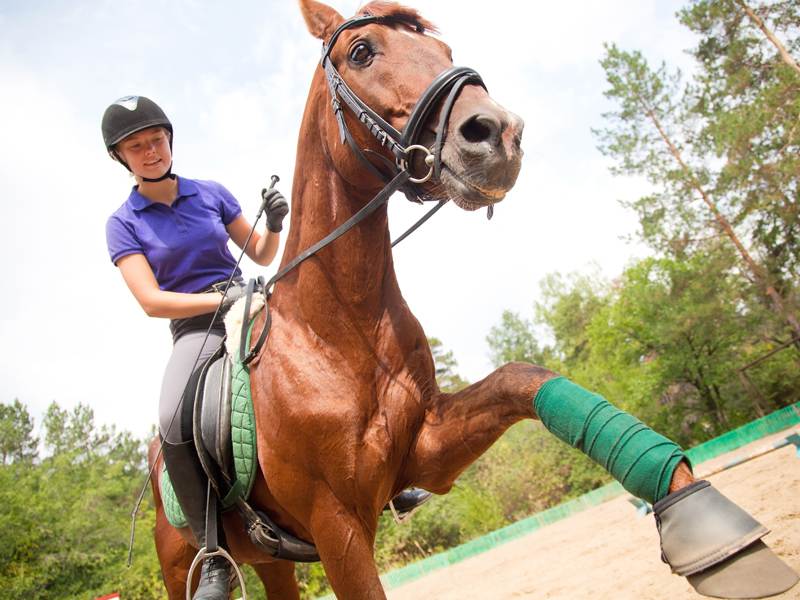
<point>609,552</point>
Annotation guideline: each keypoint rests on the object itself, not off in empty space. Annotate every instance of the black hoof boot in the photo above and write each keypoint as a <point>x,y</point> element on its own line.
<point>407,501</point>
<point>215,580</point>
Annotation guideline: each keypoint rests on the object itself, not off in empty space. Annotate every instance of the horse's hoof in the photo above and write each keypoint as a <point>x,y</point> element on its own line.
<point>717,546</point>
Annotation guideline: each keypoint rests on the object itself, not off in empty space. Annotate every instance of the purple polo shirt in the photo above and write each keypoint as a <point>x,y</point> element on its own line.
<point>186,243</point>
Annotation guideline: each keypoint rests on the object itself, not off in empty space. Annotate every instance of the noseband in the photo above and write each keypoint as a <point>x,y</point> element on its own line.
<point>401,144</point>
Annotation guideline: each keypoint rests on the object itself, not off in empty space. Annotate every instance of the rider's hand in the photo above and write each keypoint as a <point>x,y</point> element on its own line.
<point>277,208</point>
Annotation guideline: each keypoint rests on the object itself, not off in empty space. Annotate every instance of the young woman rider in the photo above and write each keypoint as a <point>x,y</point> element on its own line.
<point>170,242</point>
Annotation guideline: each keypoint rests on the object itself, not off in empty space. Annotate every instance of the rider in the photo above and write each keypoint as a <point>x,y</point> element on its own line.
<point>170,242</point>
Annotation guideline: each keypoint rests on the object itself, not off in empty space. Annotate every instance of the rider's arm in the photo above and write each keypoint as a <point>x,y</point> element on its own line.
<point>138,274</point>
<point>261,249</point>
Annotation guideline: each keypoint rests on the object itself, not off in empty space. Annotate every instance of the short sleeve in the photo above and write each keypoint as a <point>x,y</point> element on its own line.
<point>229,206</point>
<point>121,239</point>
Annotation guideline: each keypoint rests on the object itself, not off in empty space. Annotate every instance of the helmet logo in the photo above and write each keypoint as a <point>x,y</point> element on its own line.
<point>129,102</point>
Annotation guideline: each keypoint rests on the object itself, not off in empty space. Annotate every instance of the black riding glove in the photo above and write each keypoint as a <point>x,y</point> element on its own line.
<point>277,208</point>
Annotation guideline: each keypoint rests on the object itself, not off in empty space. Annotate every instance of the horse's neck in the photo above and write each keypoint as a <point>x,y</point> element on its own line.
<point>356,270</point>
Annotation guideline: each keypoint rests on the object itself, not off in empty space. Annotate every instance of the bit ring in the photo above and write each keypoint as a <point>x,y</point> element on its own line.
<point>429,158</point>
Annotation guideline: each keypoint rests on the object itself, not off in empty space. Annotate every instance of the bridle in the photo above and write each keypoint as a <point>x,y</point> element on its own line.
<point>401,144</point>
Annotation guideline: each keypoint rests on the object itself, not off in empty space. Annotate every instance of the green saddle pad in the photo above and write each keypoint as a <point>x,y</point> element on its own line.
<point>243,438</point>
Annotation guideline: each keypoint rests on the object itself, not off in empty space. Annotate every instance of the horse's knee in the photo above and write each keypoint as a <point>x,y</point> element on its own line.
<point>517,383</point>
<point>524,373</point>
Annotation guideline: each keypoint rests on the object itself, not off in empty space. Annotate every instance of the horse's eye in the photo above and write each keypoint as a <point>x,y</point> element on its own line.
<point>361,53</point>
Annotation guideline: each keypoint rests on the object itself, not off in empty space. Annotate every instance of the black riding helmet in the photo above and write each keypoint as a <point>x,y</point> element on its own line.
<point>128,115</point>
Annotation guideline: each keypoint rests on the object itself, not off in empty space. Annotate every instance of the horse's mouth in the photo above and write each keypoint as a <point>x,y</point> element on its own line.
<point>469,194</point>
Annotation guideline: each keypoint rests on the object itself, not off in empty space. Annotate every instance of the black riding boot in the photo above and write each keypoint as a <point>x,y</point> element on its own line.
<point>407,501</point>
<point>215,580</point>
<point>191,486</point>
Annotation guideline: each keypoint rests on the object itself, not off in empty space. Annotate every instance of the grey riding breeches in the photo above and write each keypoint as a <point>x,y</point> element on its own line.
<point>185,352</point>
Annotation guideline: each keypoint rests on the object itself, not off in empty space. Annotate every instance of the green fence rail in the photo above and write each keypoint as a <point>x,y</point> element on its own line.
<point>755,430</point>
<point>736,438</point>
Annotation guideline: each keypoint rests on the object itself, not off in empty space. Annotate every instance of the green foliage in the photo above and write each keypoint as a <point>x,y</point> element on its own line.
<point>311,580</point>
<point>665,342</point>
<point>445,364</point>
<point>680,326</point>
<point>567,306</point>
<point>729,136</point>
<point>17,443</point>
<point>677,331</point>
<point>749,102</point>
<point>513,339</point>
<point>650,127</point>
<point>64,519</point>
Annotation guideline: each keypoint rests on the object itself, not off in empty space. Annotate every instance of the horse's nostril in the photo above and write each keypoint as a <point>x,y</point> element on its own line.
<point>480,128</point>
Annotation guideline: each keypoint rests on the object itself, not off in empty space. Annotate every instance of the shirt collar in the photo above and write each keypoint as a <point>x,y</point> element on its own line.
<point>186,188</point>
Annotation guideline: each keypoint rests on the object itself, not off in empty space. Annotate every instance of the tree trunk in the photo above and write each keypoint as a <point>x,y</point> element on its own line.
<point>757,398</point>
<point>756,269</point>
<point>787,58</point>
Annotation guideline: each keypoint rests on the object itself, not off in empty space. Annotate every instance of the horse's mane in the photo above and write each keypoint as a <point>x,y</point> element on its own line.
<point>404,14</point>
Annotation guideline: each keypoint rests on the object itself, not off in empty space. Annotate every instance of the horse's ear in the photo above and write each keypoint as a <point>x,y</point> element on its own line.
<point>321,19</point>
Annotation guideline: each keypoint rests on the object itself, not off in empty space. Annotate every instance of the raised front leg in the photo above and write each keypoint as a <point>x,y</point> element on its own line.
<point>705,537</point>
<point>459,427</point>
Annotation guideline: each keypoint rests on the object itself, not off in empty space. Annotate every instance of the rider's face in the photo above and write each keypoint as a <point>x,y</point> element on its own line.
<point>147,152</point>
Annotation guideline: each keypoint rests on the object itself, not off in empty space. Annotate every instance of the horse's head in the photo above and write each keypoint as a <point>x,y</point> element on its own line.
<point>393,67</point>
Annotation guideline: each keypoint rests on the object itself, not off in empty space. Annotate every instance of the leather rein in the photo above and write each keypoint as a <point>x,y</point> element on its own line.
<point>402,146</point>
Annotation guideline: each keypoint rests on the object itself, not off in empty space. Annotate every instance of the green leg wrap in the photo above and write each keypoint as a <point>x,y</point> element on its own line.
<point>639,458</point>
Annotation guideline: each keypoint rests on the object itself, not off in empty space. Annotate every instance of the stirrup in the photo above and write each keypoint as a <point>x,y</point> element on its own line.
<point>201,555</point>
<point>401,516</point>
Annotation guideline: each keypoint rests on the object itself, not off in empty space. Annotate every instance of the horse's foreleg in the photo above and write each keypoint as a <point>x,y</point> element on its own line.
<point>278,579</point>
<point>345,542</point>
<point>460,427</point>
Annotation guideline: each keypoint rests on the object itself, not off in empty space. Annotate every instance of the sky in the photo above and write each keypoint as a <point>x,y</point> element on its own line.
<point>233,78</point>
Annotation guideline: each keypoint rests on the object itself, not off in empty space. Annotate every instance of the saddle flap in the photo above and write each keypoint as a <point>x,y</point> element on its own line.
<point>211,410</point>
<point>215,414</point>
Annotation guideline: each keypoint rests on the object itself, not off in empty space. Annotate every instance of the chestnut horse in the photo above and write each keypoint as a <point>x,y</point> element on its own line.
<point>345,394</point>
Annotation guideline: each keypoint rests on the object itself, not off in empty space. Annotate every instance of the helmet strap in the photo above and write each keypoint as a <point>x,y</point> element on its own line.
<point>115,155</point>
<point>167,175</point>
